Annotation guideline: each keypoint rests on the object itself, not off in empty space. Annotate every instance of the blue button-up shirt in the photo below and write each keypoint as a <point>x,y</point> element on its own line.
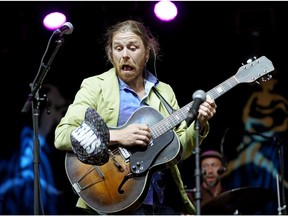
<point>129,102</point>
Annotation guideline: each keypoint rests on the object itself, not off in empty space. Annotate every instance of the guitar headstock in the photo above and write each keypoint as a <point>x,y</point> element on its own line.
<point>255,70</point>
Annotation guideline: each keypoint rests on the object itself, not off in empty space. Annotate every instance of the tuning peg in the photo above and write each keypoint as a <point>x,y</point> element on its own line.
<point>266,77</point>
<point>251,59</point>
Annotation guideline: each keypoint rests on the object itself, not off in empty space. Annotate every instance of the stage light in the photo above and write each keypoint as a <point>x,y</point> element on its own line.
<point>54,20</point>
<point>165,10</point>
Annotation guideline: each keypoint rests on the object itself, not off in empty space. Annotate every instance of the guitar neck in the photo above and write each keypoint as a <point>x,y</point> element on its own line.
<point>180,115</point>
<point>224,87</point>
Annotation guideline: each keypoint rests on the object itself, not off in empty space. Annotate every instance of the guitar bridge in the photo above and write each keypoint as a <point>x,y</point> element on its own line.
<point>116,163</point>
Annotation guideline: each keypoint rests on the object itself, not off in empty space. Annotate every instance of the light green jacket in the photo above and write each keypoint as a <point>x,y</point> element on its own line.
<point>101,92</point>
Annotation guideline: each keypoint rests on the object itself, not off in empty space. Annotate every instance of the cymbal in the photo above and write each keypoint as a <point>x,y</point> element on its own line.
<point>245,200</point>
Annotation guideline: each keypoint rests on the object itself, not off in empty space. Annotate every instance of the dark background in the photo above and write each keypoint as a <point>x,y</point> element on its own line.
<point>205,45</point>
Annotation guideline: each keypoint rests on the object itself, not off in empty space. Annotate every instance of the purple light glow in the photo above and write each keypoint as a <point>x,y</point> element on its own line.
<point>54,20</point>
<point>165,10</point>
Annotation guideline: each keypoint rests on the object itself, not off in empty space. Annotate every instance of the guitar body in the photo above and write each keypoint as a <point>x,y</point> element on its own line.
<point>121,184</point>
<point>99,186</point>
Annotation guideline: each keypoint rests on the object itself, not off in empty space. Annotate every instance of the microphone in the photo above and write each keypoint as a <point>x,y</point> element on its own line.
<point>66,28</point>
<point>199,97</point>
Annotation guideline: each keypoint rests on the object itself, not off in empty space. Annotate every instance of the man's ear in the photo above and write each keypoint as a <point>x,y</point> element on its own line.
<point>147,55</point>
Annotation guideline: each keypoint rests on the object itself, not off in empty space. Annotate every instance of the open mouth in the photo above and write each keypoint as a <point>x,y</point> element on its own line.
<point>127,68</point>
<point>210,178</point>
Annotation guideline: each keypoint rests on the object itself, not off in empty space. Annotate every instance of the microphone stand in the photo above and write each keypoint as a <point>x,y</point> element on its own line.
<point>281,191</point>
<point>197,170</point>
<point>199,97</point>
<point>34,100</point>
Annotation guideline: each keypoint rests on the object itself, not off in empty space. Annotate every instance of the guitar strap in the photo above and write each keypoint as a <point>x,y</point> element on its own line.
<point>166,104</point>
<point>168,107</point>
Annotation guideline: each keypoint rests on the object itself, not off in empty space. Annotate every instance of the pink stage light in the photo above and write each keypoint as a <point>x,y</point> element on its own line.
<point>165,10</point>
<point>54,20</point>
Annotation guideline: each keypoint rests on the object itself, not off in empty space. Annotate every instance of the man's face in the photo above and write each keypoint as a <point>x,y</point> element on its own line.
<point>128,55</point>
<point>210,167</point>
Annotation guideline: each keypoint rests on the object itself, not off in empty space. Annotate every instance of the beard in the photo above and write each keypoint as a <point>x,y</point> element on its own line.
<point>127,77</point>
<point>212,183</point>
<point>131,76</point>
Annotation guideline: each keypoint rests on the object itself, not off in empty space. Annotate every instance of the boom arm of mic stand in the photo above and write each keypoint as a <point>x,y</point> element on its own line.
<point>36,85</point>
